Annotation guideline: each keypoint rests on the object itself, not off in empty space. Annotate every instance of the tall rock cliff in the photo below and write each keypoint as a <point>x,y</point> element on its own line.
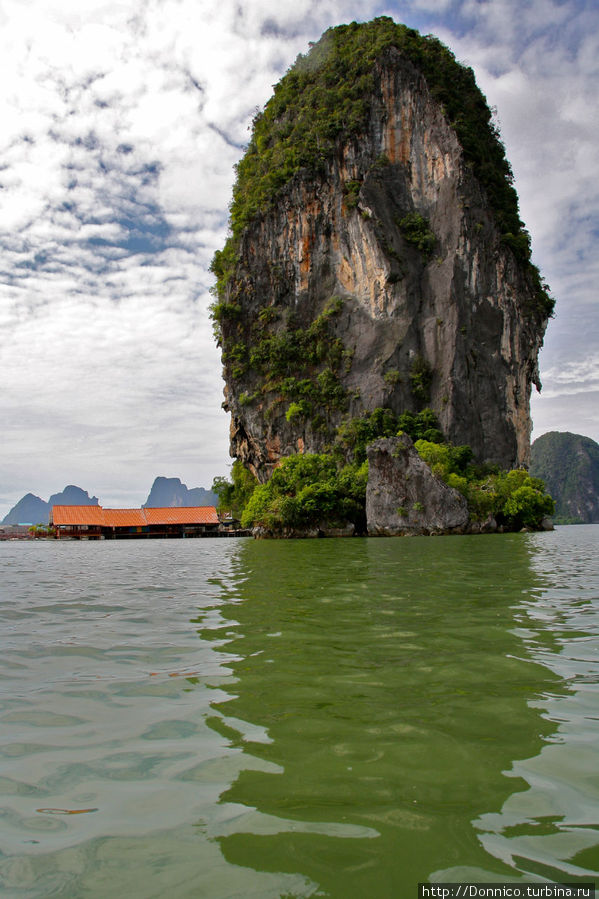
<point>377,258</point>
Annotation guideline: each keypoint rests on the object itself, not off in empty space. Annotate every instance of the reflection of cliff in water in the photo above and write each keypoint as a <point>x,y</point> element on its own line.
<point>384,682</point>
<point>552,828</point>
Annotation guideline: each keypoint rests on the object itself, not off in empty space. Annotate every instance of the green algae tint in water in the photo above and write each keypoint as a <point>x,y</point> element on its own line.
<point>337,718</point>
<point>396,693</point>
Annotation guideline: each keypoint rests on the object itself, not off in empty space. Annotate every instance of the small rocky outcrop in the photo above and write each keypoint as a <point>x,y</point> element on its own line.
<point>405,497</point>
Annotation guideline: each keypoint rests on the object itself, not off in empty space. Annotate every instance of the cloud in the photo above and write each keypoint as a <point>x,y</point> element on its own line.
<point>574,412</point>
<point>121,124</point>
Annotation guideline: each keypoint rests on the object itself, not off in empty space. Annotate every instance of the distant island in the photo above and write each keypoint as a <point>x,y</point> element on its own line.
<point>31,509</point>
<point>170,492</point>
<point>569,466</point>
<point>165,493</point>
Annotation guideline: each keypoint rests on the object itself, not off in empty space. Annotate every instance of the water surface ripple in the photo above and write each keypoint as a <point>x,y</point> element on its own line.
<point>343,718</point>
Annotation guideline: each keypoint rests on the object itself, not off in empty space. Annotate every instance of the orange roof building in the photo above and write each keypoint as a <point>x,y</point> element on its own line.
<point>77,516</point>
<point>182,515</point>
<point>94,522</point>
<point>124,518</point>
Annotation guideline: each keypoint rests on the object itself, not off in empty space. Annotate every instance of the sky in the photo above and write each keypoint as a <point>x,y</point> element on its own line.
<point>121,122</point>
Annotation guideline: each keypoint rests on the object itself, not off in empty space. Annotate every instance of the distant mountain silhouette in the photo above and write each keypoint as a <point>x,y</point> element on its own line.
<point>29,510</point>
<point>569,465</point>
<point>33,510</point>
<point>72,496</point>
<point>170,492</point>
<point>165,492</point>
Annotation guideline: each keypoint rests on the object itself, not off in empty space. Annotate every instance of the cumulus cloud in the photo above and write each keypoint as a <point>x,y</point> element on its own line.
<point>121,124</point>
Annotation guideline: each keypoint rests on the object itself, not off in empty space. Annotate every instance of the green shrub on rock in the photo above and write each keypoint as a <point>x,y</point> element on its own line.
<point>416,230</point>
<point>513,498</point>
<point>309,491</point>
<point>234,495</point>
<point>525,502</point>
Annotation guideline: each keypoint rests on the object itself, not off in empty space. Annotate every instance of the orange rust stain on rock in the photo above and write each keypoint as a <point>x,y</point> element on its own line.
<point>390,139</point>
<point>306,255</point>
<point>397,136</point>
<point>273,450</point>
<point>406,133</point>
<point>301,448</point>
<point>391,144</point>
<point>335,245</point>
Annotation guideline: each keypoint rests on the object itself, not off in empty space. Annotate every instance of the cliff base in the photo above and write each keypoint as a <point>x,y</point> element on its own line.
<point>403,496</point>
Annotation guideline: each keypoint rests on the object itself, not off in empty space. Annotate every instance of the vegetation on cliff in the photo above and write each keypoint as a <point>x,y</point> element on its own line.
<point>328,490</point>
<point>294,362</point>
<point>324,100</point>
<point>310,491</point>
<point>234,495</point>
<point>513,498</point>
<point>569,465</point>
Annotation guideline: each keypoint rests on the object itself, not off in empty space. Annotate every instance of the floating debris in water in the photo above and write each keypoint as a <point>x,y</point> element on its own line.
<point>175,673</point>
<point>66,811</point>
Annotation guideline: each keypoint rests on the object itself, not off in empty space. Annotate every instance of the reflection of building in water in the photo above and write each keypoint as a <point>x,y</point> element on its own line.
<point>380,695</point>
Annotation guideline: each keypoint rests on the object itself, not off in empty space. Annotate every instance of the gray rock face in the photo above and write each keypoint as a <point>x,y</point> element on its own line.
<point>404,496</point>
<point>260,533</point>
<point>462,311</point>
<point>171,492</point>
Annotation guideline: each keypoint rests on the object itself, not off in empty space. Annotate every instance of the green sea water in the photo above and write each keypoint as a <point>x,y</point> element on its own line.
<point>344,718</point>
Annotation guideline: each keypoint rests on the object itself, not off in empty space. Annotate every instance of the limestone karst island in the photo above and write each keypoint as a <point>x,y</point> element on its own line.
<point>379,314</point>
